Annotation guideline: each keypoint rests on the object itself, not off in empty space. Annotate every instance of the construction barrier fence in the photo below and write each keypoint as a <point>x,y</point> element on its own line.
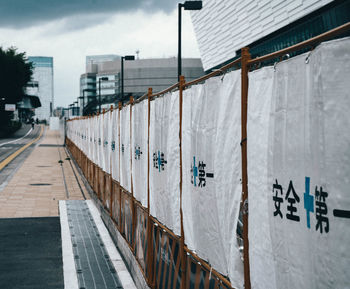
<point>172,171</point>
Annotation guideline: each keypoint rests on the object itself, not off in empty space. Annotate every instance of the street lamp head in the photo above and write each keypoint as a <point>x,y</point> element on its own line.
<point>193,5</point>
<point>129,57</point>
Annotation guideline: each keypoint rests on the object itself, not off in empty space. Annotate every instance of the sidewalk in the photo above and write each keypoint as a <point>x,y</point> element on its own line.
<point>51,234</point>
<point>38,185</point>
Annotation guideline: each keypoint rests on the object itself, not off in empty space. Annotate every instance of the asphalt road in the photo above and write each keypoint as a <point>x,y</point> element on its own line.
<point>31,253</point>
<point>10,145</point>
<point>30,248</point>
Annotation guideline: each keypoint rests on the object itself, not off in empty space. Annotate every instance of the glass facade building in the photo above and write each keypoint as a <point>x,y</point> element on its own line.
<point>43,76</point>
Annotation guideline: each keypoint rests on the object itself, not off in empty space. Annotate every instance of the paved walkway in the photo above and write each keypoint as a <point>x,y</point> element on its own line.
<point>39,184</point>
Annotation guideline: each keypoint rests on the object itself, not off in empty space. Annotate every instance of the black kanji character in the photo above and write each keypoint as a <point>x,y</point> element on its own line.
<point>201,174</point>
<point>277,188</point>
<point>162,161</point>
<point>138,153</point>
<point>155,160</point>
<point>321,210</point>
<point>292,200</point>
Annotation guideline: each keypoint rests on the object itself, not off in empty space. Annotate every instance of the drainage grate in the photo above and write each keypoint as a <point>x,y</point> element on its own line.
<point>41,184</point>
<point>92,262</point>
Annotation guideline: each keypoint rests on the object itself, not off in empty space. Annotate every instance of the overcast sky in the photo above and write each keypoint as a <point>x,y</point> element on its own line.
<point>69,30</point>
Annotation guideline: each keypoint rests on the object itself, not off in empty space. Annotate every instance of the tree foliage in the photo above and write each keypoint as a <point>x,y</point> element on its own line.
<point>15,73</point>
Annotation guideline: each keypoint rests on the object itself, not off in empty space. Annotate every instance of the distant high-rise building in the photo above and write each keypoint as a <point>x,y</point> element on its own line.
<point>43,78</point>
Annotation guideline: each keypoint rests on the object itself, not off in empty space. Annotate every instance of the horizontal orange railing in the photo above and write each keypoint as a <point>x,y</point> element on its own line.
<point>114,200</point>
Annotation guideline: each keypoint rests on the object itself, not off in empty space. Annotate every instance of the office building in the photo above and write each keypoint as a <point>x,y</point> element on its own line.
<point>104,78</point>
<point>42,85</point>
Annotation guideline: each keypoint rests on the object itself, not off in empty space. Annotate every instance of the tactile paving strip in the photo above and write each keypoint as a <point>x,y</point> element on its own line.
<point>92,262</point>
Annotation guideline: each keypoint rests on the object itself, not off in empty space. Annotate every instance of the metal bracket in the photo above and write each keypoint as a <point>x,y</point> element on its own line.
<point>307,59</point>
<point>223,75</point>
<point>274,66</point>
<point>285,56</point>
<point>245,207</point>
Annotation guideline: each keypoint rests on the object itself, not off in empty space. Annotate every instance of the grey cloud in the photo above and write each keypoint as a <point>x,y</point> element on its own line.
<point>26,13</point>
<point>77,22</point>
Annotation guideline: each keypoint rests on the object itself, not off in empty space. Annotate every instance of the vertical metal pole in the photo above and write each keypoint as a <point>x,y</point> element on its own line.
<point>130,127</point>
<point>244,111</point>
<point>83,101</point>
<point>98,170</point>
<point>122,78</point>
<point>150,257</point>
<point>179,44</point>
<point>99,95</point>
<point>133,211</point>
<point>182,238</point>
<point>111,192</point>
<point>65,130</point>
<point>120,190</point>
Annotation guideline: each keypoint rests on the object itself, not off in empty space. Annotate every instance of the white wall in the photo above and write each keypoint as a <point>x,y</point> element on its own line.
<point>224,26</point>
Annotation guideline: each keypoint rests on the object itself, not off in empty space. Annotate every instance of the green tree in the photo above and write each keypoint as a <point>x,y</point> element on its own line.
<point>15,73</point>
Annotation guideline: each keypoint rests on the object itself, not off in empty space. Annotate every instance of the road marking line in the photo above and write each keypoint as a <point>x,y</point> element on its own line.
<point>16,139</point>
<point>69,270</point>
<point>9,159</point>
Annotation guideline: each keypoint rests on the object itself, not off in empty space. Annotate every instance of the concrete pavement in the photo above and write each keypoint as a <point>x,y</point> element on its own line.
<point>36,188</point>
<point>31,230</point>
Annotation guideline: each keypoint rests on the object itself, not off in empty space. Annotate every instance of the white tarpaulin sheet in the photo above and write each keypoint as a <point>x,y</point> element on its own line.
<point>99,135</point>
<point>262,268</point>
<point>83,135</point>
<point>107,125</point>
<point>165,155</point>
<point>139,151</point>
<point>115,145</point>
<point>211,160</point>
<point>101,142</point>
<point>90,137</point>
<point>125,172</point>
<point>95,140</point>
<point>299,168</point>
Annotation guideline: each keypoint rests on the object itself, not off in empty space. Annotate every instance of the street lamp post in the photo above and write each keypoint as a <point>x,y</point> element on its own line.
<point>76,107</point>
<point>128,58</point>
<point>71,107</point>
<point>188,5</point>
<point>82,112</point>
<point>83,97</point>
<point>99,91</point>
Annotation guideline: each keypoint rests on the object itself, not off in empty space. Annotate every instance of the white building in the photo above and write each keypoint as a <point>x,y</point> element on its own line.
<point>223,27</point>
<point>43,78</point>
